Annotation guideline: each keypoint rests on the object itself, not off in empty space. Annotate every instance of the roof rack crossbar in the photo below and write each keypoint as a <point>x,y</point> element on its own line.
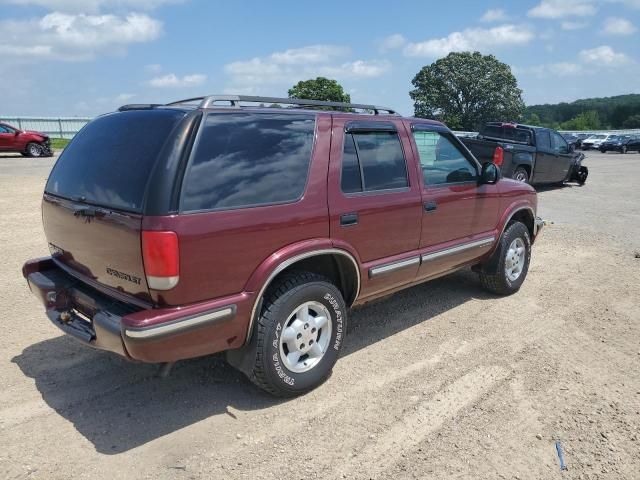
<point>234,100</point>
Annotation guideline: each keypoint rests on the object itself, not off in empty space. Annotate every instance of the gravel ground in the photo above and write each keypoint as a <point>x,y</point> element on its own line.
<point>439,381</point>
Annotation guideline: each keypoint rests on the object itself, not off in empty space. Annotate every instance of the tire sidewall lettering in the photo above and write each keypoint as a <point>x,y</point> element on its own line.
<point>337,316</point>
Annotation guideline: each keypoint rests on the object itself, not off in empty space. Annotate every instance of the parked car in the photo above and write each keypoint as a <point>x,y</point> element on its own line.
<point>575,139</point>
<point>633,145</point>
<point>594,141</point>
<point>621,144</point>
<point>528,154</point>
<point>25,142</point>
<point>200,228</point>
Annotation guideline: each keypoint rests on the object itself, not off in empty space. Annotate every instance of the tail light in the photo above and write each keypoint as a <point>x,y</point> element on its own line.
<point>498,156</point>
<point>161,256</point>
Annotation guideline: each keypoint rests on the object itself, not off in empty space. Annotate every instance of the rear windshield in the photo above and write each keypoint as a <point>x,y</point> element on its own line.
<point>511,134</point>
<point>110,160</point>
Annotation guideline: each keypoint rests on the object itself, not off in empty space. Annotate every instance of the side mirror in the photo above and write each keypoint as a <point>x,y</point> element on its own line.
<point>490,174</point>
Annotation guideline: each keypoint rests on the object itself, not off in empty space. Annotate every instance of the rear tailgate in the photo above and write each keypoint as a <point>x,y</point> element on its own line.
<point>483,150</point>
<point>98,243</point>
<point>93,204</point>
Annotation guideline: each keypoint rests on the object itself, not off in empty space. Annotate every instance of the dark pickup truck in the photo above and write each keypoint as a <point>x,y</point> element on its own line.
<point>528,154</point>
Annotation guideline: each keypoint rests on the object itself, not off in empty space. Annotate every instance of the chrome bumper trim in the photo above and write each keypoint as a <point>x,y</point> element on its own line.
<point>182,324</point>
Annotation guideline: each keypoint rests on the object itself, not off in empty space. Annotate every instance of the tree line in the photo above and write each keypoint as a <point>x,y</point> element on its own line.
<point>467,89</point>
<point>622,111</point>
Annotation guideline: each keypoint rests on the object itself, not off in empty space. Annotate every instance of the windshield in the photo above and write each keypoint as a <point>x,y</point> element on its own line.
<point>110,160</point>
<point>597,137</point>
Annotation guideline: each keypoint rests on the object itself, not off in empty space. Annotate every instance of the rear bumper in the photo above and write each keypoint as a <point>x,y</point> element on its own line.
<point>148,335</point>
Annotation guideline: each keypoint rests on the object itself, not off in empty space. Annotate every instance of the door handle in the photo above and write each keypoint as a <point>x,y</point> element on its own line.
<point>347,219</point>
<point>430,206</point>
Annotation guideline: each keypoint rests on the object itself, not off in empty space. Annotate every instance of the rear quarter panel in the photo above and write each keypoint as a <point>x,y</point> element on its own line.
<point>220,250</point>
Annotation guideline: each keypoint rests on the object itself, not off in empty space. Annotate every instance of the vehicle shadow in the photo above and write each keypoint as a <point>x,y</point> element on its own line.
<point>118,405</point>
<point>556,186</point>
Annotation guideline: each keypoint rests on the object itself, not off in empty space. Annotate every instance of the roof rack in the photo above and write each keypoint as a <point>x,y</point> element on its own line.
<point>234,101</point>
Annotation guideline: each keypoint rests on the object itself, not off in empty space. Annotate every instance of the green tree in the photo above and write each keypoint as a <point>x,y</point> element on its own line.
<point>632,122</point>
<point>466,89</point>
<point>584,121</point>
<point>532,119</point>
<point>320,88</point>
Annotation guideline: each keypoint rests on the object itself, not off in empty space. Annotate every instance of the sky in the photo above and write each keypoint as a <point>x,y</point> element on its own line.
<point>87,57</point>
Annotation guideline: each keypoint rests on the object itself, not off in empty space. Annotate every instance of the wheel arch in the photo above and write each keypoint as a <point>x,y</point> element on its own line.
<point>340,266</point>
<point>520,213</point>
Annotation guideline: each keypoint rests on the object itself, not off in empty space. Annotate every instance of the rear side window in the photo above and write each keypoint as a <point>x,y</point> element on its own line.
<point>373,161</point>
<point>110,160</point>
<point>249,159</point>
<point>510,133</point>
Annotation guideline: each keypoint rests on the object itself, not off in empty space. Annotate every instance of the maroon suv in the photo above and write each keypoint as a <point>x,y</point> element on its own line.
<point>213,224</point>
<point>25,142</point>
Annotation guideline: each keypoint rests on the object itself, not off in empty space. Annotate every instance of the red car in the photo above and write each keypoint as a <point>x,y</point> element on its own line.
<point>192,228</point>
<point>27,143</point>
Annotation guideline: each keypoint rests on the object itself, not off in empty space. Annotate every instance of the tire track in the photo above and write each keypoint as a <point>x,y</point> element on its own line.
<point>428,417</point>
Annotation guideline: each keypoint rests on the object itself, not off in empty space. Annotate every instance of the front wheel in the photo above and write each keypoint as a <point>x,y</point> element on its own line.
<point>514,255</point>
<point>300,333</point>
<point>583,173</point>
<point>34,150</point>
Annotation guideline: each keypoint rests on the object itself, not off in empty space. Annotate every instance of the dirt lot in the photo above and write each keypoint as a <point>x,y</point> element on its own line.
<point>440,381</point>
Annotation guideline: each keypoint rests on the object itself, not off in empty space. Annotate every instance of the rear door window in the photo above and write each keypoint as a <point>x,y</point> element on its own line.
<point>109,161</point>
<point>248,159</point>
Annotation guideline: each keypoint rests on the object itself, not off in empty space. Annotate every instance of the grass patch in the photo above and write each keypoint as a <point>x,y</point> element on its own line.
<point>59,143</point>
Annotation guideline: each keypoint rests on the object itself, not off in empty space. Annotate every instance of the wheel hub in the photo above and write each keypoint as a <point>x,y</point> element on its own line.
<point>305,337</point>
<point>515,259</point>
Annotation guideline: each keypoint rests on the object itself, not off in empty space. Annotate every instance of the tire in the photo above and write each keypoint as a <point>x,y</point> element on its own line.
<point>505,281</point>
<point>521,175</point>
<point>33,150</point>
<point>282,315</point>
<point>583,173</point>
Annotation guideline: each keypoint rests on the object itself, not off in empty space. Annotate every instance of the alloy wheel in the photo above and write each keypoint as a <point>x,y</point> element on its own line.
<point>305,337</point>
<point>35,150</point>
<point>516,256</point>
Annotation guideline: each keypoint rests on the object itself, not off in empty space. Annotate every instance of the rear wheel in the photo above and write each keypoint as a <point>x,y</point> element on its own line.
<point>300,333</point>
<point>33,150</point>
<point>514,255</point>
<point>521,175</point>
